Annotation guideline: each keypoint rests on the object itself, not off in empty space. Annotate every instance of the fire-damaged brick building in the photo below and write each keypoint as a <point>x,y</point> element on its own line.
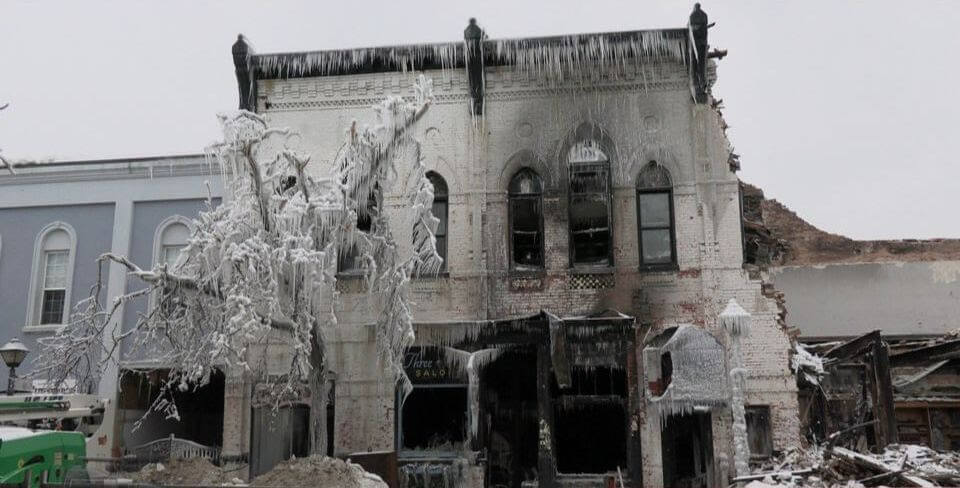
<point>590,224</point>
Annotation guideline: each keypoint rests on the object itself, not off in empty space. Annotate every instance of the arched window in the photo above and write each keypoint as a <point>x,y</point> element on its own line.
<point>440,210</point>
<point>173,239</point>
<point>52,275</point>
<point>591,234</point>
<point>526,220</point>
<point>655,215</point>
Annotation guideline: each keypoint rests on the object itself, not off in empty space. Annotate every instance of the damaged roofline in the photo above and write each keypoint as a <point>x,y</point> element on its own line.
<point>430,56</point>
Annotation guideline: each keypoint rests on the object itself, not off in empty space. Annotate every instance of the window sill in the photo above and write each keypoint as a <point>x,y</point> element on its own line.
<point>586,269</point>
<point>659,268</point>
<point>527,272</point>
<point>42,329</point>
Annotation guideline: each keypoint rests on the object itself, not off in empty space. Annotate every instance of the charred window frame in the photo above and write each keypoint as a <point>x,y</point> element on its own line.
<point>759,434</point>
<point>656,222</point>
<point>526,221</point>
<point>440,210</point>
<point>591,220</point>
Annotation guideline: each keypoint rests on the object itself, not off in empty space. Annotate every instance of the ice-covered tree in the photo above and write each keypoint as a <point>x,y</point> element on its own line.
<point>264,263</point>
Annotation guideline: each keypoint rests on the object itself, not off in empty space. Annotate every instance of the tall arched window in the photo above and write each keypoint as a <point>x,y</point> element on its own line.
<point>173,239</point>
<point>655,215</point>
<point>440,209</point>
<point>52,275</point>
<point>591,236</point>
<point>526,220</point>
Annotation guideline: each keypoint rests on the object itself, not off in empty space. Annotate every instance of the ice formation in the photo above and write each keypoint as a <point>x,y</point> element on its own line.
<point>699,377</point>
<point>265,262</point>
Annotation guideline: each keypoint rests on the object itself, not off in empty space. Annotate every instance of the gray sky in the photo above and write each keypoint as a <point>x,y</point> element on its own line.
<point>842,110</point>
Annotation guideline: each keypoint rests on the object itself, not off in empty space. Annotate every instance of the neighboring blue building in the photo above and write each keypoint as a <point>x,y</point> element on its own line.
<point>57,218</point>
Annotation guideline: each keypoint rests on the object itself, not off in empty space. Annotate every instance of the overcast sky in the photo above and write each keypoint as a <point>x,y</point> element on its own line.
<point>845,111</point>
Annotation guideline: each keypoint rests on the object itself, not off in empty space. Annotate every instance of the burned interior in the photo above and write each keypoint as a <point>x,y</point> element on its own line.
<point>540,397</point>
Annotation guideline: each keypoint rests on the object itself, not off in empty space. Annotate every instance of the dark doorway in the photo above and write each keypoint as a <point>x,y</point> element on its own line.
<point>591,421</point>
<point>509,418</point>
<point>200,409</point>
<point>276,435</point>
<point>687,448</point>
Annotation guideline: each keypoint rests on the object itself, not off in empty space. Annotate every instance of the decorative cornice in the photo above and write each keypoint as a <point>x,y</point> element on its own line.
<point>70,173</point>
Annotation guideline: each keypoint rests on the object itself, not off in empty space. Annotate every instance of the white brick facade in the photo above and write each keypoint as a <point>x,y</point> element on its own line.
<point>646,115</point>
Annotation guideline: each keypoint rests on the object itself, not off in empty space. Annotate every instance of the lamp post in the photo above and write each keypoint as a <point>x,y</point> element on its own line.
<point>13,354</point>
<point>736,321</point>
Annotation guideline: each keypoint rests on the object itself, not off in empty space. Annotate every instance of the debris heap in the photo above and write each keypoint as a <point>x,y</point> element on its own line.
<point>318,471</point>
<point>193,471</point>
<point>898,465</point>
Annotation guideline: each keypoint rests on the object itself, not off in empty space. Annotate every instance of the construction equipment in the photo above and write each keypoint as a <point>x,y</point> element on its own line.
<point>31,457</point>
<point>48,438</point>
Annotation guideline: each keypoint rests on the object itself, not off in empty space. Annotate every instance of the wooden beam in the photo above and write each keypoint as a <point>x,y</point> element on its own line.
<point>546,461</point>
<point>885,410</point>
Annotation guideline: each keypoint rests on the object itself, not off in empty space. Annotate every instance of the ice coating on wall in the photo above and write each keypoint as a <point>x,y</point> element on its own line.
<point>699,376</point>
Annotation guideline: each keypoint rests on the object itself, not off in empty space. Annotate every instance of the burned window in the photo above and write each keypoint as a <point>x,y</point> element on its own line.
<point>433,417</point>
<point>759,436</point>
<point>526,220</point>
<point>655,219</point>
<point>440,206</point>
<point>590,229</point>
<point>348,261</point>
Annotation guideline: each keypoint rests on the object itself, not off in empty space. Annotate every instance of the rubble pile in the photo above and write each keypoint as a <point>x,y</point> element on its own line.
<point>318,471</point>
<point>193,471</point>
<point>830,467</point>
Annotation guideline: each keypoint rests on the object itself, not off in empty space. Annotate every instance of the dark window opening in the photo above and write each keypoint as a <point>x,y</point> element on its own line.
<point>759,435</point>
<point>526,220</point>
<point>590,231</point>
<point>655,219</point>
<point>52,308</point>
<point>687,449</point>
<point>349,259</point>
<point>434,418</point>
<point>666,370</point>
<point>440,210</point>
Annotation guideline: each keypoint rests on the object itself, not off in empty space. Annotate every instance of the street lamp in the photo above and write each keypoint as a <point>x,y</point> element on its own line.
<point>13,353</point>
<point>736,321</point>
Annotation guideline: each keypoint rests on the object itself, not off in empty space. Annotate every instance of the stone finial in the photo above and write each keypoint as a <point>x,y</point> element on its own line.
<point>473,38</point>
<point>699,24</point>
<point>473,31</point>
<point>242,55</point>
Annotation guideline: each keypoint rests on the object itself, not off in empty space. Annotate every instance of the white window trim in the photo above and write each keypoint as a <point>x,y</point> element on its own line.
<point>36,279</point>
<point>158,243</point>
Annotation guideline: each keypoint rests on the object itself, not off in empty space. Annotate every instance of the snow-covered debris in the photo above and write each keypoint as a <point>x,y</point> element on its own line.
<point>941,467</point>
<point>807,364</point>
<point>318,471</point>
